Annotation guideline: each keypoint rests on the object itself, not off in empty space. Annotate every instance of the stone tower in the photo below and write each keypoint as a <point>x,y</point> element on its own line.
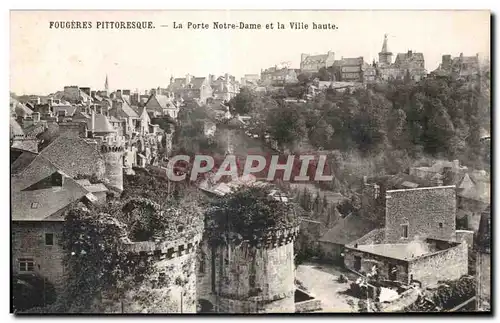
<point>385,57</point>
<point>163,276</point>
<point>113,158</point>
<point>251,276</point>
<point>170,287</point>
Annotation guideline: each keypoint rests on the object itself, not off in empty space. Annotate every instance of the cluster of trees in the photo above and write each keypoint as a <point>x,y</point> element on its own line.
<point>400,119</point>
<point>249,213</point>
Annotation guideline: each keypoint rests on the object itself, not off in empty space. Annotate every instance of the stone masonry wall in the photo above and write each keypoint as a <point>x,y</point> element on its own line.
<point>113,166</point>
<point>428,212</point>
<point>28,241</point>
<point>449,264</point>
<point>255,279</point>
<point>169,288</point>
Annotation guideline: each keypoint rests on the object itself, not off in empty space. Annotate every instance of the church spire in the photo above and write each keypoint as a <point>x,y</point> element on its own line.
<point>106,85</point>
<point>385,57</point>
<point>384,45</point>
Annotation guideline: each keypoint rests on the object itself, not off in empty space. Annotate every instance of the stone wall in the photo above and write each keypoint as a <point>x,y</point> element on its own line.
<point>113,157</point>
<point>448,264</point>
<point>255,276</point>
<point>28,241</point>
<point>484,270</point>
<point>330,251</point>
<point>169,288</point>
<point>428,212</point>
<point>466,236</point>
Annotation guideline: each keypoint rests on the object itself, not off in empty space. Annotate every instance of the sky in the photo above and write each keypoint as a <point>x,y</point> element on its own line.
<point>44,60</point>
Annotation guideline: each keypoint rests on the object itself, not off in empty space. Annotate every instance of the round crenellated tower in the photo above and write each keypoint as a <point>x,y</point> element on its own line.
<point>170,284</point>
<point>249,246</point>
<point>256,276</point>
<point>158,252</point>
<point>113,159</point>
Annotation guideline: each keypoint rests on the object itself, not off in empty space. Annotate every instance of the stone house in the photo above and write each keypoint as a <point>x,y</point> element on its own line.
<point>461,66</point>
<point>274,76</point>
<point>345,230</point>
<point>406,64</point>
<point>351,69</point>
<point>191,88</point>
<point>161,105</point>
<point>419,240</point>
<point>313,63</point>
<point>224,88</point>
<point>40,194</point>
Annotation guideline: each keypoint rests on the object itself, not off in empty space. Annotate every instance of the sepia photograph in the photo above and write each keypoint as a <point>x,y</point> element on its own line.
<point>250,162</point>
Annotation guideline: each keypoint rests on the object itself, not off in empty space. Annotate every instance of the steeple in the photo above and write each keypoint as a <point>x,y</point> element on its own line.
<point>106,86</point>
<point>385,57</point>
<point>384,45</point>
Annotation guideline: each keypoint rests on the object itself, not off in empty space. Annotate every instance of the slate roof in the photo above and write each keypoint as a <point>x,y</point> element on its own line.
<point>15,128</point>
<point>70,109</point>
<point>347,229</point>
<point>315,59</point>
<point>197,82</point>
<point>101,124</point>
<point>403,58</point>
<point>29,169</point>
<point>401,251</point>
<point>352,61</point>
<point>18,108</point>
<point>44,204</point>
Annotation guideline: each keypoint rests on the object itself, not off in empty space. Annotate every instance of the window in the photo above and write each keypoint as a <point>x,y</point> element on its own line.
<point>404,231</point>
<point>440,225</point>
<point>49,239</point>
<point>34,205</point>
<point>26,264</point>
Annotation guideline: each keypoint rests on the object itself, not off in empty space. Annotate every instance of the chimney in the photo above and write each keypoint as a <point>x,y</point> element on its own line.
<point>118,94</point>
<point>226,77</point>
<point>36,117</point>
<point>188,78</point>
<point>456,164</point>
<point>38,101</point>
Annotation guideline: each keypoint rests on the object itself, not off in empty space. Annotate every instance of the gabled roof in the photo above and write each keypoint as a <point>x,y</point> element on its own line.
<point>402,58</point>
<point>44,204</point>
<point>347,229</point>
<point>15,128</point>
<point>18,108</point>
<point>316,59</point>
<point>197,82</point>
<point>352,61</point>
<point>70,109</point>
<point>29,169</point>
<point>126,110</point>
<point>101,124</point>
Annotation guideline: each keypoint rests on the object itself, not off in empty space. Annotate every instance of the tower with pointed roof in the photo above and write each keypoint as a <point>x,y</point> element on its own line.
<point>106,85</point>
<point>385,56</point>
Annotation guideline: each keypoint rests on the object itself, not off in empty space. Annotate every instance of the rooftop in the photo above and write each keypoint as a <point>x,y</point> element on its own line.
<point>401,251</point>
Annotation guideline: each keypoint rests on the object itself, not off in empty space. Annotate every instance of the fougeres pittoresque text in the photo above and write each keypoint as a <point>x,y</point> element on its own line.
<point>244,161</point>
